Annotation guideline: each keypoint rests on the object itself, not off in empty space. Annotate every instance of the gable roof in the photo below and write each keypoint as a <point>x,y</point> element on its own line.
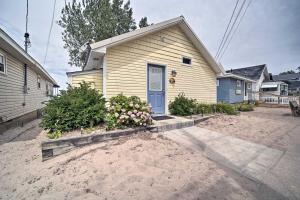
<point>230,75</point>
<point>286,77</point>
<point>253,72</point>
<point>294,85</point>
<point>157,27</point>
<point>12,47</point>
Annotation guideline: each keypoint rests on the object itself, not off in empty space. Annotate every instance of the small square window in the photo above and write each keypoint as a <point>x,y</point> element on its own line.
<point>2,64</point>
<point>186,61</point>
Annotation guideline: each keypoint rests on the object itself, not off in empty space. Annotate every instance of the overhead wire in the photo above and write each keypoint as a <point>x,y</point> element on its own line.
<point>231,28</point>
<point>236,28</point>
<point>237,2</point>
<point>49,35</point>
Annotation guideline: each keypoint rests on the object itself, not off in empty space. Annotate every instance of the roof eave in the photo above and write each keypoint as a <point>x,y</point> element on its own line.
<point>15,46</point>
<point>150,29</point>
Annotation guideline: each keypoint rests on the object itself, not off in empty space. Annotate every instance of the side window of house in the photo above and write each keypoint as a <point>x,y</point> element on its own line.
<point>2,64</point>
<point>218,82</point>
<point>238,89</point>
<point>238,83</point>
<point>47,89</point>
<point>249,86</point>
<point>39,82</point>
<point>186,61</point>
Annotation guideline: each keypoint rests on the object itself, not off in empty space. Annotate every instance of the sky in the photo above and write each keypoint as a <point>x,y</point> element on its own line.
<point>268,34</point>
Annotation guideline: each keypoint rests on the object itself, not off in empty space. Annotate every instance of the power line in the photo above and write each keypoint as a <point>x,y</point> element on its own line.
<point>231,28</point>
<point>235,30</point>
<point>237,2</point>
<point>51,25</point>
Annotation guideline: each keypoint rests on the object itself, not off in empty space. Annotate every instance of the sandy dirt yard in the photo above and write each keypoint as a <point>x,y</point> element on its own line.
<point>267,126</point>
<point>141,167</point>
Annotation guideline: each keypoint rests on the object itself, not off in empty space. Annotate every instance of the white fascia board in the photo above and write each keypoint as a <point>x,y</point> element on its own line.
<point>227,75</point>
<point>11,44</point>
<point>160,26</point>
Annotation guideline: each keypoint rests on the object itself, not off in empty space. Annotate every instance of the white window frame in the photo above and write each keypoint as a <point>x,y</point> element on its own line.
<point>4,64</point>
<point>238,83</point>
<point>218,82</point>
<point>186,57</point>
<point>38,82</point>
<point>249,86</point>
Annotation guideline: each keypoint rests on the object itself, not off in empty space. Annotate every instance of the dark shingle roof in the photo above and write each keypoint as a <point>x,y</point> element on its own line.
<point>253,72</point>
<point>286,77</point>
<point>294,84</point>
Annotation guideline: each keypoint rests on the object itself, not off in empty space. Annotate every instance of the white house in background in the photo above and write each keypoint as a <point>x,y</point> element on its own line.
<point>24,84</point>
<point>277,88</point>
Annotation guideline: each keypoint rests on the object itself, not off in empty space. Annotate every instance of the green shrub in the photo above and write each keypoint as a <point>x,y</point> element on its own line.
<point>183,106</point>
<point>74,108</point>
<point>245,107</point>
<point>204,108</point>
<point>127,112</point>
<point>226,108</point>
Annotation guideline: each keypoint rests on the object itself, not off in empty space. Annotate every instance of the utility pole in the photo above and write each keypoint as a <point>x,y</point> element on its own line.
<point>26,35</point>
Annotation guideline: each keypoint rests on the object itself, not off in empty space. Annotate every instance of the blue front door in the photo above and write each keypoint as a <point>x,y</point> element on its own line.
<point>156,88</point>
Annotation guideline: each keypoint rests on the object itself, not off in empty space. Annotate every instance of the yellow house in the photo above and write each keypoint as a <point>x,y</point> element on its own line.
<point>155,63</point>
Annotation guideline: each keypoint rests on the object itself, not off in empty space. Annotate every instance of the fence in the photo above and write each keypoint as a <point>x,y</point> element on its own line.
<point>284,100</point>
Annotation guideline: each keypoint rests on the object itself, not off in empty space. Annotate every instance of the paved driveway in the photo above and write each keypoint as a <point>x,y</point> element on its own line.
<point>277,171</point>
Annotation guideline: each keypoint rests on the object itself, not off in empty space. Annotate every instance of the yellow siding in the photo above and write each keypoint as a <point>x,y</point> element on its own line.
<point>127,66</point>
<point>13,101</point>
<point>93,77</point>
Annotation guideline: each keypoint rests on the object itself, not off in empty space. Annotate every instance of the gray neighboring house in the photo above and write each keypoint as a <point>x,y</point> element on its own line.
<point>233,88</point>
<point>24,84</point>
<point>293,81</point>
<point>257,73</point>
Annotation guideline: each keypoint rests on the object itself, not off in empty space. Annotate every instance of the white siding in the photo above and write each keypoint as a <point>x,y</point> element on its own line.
<point>12,96</point>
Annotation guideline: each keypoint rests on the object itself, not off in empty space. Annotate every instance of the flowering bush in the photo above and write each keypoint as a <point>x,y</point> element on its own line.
<point>125,112</point>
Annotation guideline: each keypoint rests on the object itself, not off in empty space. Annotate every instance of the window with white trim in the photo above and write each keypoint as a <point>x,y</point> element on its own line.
<point>39,82</point>
<point>2,64</point>
<point>186,61</point>
<point>249,86</point>
<point>238,83</point>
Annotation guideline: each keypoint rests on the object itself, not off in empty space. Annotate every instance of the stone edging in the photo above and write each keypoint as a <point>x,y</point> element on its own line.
<point>52,148</point>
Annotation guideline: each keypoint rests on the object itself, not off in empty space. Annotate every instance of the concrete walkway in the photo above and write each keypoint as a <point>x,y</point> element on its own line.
<point>275,169</point>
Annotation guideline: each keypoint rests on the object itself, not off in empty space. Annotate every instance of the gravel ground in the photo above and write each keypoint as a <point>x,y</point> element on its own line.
<point>267,126</point>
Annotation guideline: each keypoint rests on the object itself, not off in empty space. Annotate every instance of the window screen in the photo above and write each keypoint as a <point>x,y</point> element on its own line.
<point>186,61</point>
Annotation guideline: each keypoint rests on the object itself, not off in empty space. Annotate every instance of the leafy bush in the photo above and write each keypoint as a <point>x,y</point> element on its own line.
<point>127,112</point>
<point>226,108</point>
<point>203,108</point>
<point>245,107</point>
<point>183,106</point>
<point>74,108</point>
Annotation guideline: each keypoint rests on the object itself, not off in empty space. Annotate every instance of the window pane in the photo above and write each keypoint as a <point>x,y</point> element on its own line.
<point>1,67</point>
<point>1,60</point>
<point>155,79</point>
<point>186,61</point>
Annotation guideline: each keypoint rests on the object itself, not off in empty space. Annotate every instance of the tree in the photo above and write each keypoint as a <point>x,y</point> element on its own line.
<point>143,22</point>
<point>93,20</point>
<point>287,72</point>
